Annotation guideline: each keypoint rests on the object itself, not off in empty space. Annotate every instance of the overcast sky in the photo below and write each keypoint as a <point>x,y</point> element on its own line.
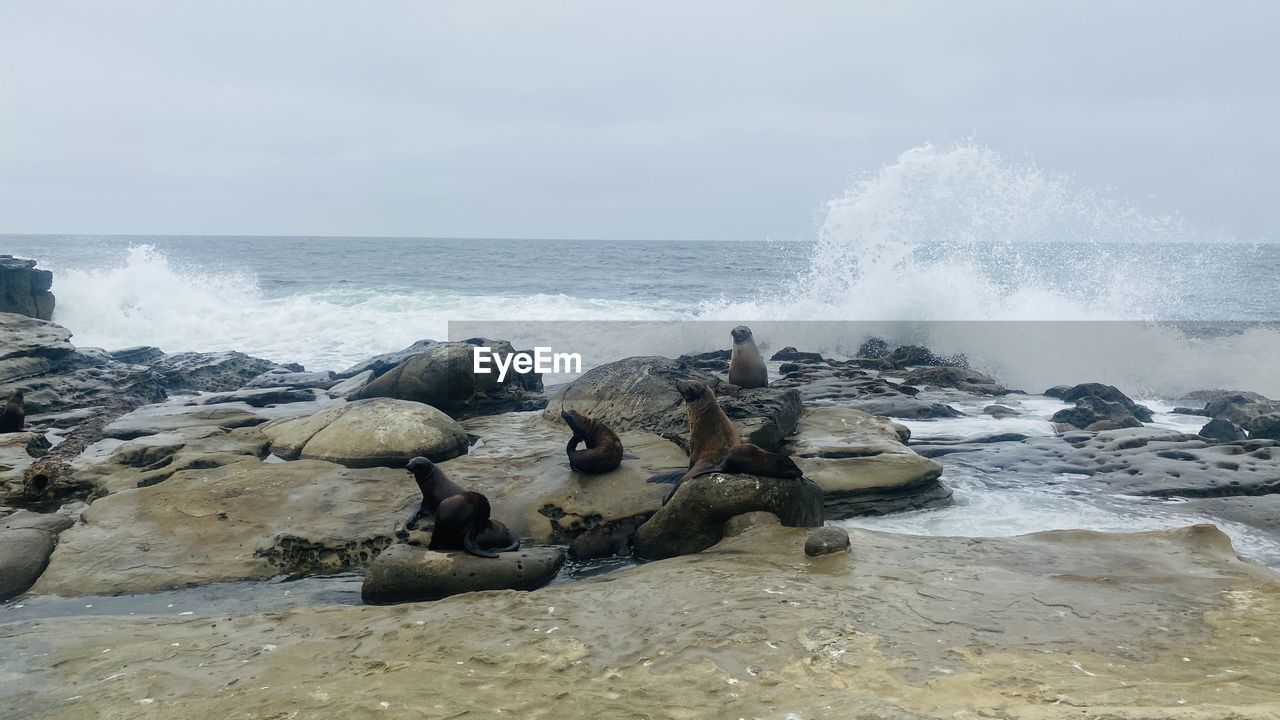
<point>688,120</point>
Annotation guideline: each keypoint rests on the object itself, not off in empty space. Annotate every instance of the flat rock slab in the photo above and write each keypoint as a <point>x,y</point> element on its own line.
<point>247,520</point>
<point>258,397</point>
<point>156,419</point>
<point>406,573</point>
<point>861,466</point>
<point>380,432</point>
<point>114,465</point>
<point>694,518</point>
<point>24,553</point>
<point>1055,626</point>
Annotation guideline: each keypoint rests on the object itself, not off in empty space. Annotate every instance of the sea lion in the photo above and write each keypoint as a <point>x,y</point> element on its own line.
<point>716,446</point>
<point>463,523</point>
<point>609,539</point>
<point>14,414</point>
<point>746,364</point>
<point>604,450</point>
<point>433,483</point>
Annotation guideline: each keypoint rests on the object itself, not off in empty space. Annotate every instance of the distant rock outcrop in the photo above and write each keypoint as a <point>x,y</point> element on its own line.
<point>25,290</point>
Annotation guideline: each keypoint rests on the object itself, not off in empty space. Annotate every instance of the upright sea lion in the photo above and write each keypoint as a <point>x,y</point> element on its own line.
<point>14,414</point>
<point>433,483</point>
<point>746,364</point>
<point>716,446</point>
<point>463,523</point>
<point>604,450</point>
<point>609,539</point>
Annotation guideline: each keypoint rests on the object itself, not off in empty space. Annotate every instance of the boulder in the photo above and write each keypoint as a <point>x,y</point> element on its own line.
<point>790,354</point>
<point>406,573</point>
<point>1222,430</point>
<point>694,518</point>
<point>350,387</point>
<point>380,432</point>
<point>157,419</point>
<point>826,540</point>
<point>639,394</point>
<point>1261,511</point>
<point>862,466</point>
<point>24,554</point>
<point>443,375</point>
<point>1000,412</point>
<point>282,377</point>
<point>1094,413</point>
<point>1098,391</point>
<point>25,290</point>
<point>1266,427</point>
<point>380,364</point>
<point>845,383</point>
<point>244,521</point>
<point>969,381</point>
<point>258,397</point>
<point>209,372</point>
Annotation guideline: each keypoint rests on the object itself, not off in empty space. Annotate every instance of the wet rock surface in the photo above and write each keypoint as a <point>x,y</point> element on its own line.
<point>380,432</point>
<point>1054,626</point>
<point>825,541</point>
<point>24,290</point>
<point>443,375</point>
<point>406,573</point>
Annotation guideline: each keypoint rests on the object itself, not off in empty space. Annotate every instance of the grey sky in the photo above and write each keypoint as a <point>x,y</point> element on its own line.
<point>706,120</point>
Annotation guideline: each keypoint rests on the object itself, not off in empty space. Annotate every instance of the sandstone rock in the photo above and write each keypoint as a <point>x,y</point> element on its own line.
<point>861,465</point>
<point>639,394</point>
<point>826,540</point>
<point>258,397</point>
<point>209,372</point>
<point>405,573</point>
<point>350,387</point>
<point>156,419</point>
<point>25,290</point>
<point>739,524</point>
<point>1094,413</point>
<point>1222,430</point>
<point>369,433</point>
<point>1265,427</point>
<point>693,519</point>
<point>443,376</point>
<point>246,520</point>
<point>380,364</point>
<point>1098,391</point>
<point>790,354</point>
<point>24,554</point>
<point>113,465</point>
<point>969,381</point>
<point>285,378</point>
<point>1000,412</point>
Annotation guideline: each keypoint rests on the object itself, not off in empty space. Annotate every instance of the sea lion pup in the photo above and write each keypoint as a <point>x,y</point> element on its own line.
<point>14,414</point>
<point>716,446</point>
<point>609,539</point>
<point>604,450</point>
<point>433,483</point>
<point>746,364</point>
<point>463,523</point>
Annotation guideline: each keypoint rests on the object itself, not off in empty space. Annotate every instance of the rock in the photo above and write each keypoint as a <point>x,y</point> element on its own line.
<point>1105,393</point>
<point>380,364</point>
<point>906,356</point>
<point>156,419</point>
<point>137,355</point>
<point>790,354</point>
<point>24,554</point>
<point>405,573</point>
<point>716,361</point>
<point>739,524</point>
<point>1204,398</point>
<point>350,387</point>
<point>380,432</point>
<point>639,394</point>
<point>286,378</point>
<point>1222,430</point>
<point>826,540</point>
<point>209,372</point>
<point>861,465</point>
<point>443,376</point>
<point>1000,412</point>
<point>1262,512</point>
<point>1060,625</point>
<point>1094,413</point>
<point>905,407</point>
<point>969,381</point>
<point>874,348</point>
<point>260,397</point>
<point>1266,427</point>
<point>53,523</point>
<point>845,383</point>
<point>25,290</point>
<point>1190,411</point>
<point>693,519</point>
<point>56,377</point>
<point>112,465</point>
<point>243,521</point>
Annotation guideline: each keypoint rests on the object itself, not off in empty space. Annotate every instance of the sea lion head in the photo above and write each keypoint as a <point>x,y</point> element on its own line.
<point>420,467</point>
<point>16,398</point>
<point>576,421</point>
<point>691,390</point>
<point>742,333</point>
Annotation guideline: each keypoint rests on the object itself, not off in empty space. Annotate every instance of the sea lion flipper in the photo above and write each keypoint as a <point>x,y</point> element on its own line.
<point>469,544</point>
<point>670,477</point>
<point>751,459</point>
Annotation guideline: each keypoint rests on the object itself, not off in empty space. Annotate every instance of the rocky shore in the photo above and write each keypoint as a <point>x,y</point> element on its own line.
<point>140,472</point>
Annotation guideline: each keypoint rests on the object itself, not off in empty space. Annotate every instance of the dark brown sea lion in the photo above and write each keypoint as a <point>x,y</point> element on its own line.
<point>716,446</point>
<point>463,523</point>
<point>609,539</point>
<point>433,483</point>
<point>746,364</point>
<point>604,450</point>
<point>14,415</point>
